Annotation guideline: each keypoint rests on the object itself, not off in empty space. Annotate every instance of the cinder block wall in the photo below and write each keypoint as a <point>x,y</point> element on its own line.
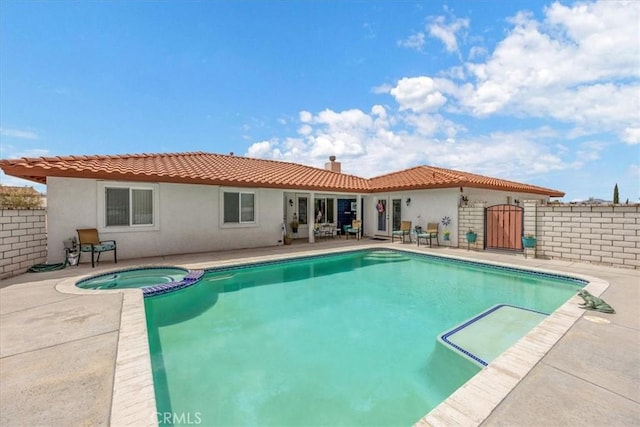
<point>608,235</point>
<point>23,240</point>
<point>598,234</point>
<point>471,217</point>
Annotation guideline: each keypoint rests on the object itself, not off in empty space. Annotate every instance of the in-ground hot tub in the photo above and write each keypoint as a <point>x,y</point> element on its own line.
<point>152,280</point>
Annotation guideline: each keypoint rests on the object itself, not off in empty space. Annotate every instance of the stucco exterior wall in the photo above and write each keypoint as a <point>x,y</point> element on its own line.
<point>189,220</point>
<point>23,240</point>
<point>426,206</point>
<point>432,205</point>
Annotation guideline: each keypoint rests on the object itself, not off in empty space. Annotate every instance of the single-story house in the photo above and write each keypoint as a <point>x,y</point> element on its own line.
<point>171,203</point>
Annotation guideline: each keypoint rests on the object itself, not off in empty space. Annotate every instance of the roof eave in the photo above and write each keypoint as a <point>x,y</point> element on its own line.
<point>40,175</point>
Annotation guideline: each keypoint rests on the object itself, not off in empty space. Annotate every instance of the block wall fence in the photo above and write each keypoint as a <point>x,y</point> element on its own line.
<point>597,234</point>
<point>23,240</point>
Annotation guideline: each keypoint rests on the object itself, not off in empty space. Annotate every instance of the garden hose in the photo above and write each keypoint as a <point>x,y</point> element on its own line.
<point>39,268</point>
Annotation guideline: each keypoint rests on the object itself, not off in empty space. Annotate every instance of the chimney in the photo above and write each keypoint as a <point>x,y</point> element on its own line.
<point>332,166</point>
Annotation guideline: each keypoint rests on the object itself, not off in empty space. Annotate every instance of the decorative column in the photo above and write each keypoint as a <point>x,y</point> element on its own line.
<point>471,218</point>
<point>311,216</point>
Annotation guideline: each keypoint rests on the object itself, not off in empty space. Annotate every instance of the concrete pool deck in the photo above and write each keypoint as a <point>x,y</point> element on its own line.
<point>58,350</point>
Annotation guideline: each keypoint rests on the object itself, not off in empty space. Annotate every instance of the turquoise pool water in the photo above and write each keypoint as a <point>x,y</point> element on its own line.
<point>340,340</point>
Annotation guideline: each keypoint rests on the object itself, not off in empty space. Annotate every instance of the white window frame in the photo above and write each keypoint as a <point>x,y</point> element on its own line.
<point>240,223</point>
<point>326,204</point>
<point>102,217</point>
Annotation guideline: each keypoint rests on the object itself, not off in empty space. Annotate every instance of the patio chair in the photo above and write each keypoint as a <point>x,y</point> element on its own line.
<point>89,241</point>
<point>324,230</point>
<point>354,229</point>
<point>328,230</point>
<point>405,230</point>
<point>345,228</point>
<point>429,234</point>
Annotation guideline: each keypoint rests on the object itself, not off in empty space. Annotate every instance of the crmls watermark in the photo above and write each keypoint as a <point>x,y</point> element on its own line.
<point>182,418</point>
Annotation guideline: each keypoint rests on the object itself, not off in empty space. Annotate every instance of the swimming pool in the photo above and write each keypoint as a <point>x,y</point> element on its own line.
<point>347,339</point>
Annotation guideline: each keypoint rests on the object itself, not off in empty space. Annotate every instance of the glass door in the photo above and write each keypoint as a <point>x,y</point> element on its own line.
<point>303,217</point>
<point>382,216</point>
<point>396,217</point>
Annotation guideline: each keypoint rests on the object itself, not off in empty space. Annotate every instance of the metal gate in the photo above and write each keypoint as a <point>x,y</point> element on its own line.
<point>504,227</point>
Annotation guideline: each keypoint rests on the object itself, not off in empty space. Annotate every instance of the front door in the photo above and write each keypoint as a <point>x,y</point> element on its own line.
<point>382,216</point>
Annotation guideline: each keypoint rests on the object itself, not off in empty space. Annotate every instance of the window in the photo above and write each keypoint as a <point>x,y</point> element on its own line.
<point>128,206</point>
<point>123,206</point>
<point>239,207</point>
<point>323,210</point>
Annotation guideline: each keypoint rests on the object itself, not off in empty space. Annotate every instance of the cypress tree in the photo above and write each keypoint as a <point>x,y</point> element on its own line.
<point>616,196</point>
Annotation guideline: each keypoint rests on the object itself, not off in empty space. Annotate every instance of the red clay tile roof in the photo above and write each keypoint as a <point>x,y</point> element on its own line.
<point>432,177</point>
<point>192,168</point>
<point>228,170</point>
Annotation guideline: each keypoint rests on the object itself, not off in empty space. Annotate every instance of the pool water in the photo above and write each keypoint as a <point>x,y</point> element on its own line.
<point>134,278</point>
<point>347,339</point>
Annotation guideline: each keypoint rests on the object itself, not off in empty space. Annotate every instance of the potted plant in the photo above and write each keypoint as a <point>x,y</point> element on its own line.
<point>446,233</point>
<point>294,224</point>
<point>471,236</point>
<point>529,241</point>
<point>288,239</point>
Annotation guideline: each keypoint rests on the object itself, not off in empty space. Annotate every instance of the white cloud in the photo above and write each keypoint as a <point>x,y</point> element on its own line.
<point>305,116</point>
<point>419,94</point>
<point>18,133</point>
<point>260,149</point>
<point>305,129</point>
<point>447,32</point>
<point>485,117</point>
<point>414,41</point>
<point>10,151</point>
<point>578,66</point>
<point>384,88</point>
<point>478,52</point>
<point>368,145</point>
<point>631,135</point>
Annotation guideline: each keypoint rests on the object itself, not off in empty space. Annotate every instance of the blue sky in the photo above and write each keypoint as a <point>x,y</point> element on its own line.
<point>546,93</point>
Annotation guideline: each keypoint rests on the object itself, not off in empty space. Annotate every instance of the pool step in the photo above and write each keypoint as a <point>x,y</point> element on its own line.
<point>485,336</point>
<point>387,256</point>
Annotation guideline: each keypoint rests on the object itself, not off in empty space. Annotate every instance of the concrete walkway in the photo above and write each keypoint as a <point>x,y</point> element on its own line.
<point>58,351</point>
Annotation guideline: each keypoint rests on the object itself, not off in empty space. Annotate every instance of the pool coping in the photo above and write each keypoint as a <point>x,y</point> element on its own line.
<point>133,398</point>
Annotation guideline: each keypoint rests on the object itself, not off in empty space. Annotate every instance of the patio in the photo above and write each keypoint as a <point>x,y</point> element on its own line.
<point>58,351</point>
